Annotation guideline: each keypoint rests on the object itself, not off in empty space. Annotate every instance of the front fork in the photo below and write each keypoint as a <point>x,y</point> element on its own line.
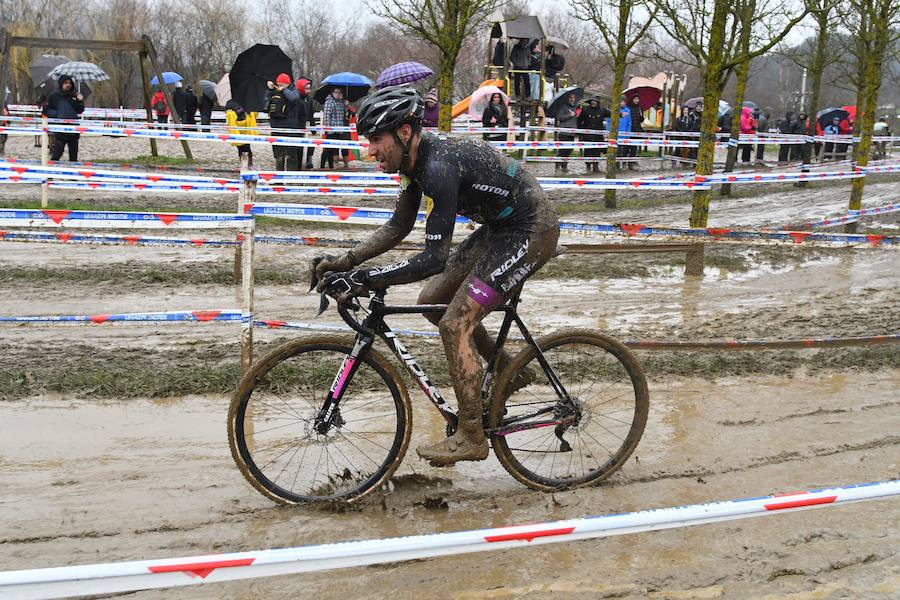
<point>330,415</point>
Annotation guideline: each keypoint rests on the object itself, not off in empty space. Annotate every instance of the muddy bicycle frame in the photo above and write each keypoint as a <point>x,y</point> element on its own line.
<point>564,413</point>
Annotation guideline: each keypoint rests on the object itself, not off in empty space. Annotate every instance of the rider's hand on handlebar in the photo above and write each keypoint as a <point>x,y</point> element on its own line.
<point>325,263</point>
<point>344,286</point>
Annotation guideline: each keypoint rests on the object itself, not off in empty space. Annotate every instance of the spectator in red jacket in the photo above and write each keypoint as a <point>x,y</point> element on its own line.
<point>159,104</point>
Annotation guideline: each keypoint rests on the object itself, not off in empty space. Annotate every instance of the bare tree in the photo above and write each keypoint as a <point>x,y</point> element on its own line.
<point>874,24</point>
<point>620,29</point>
<point>710,32</point>
<point>445,24</point>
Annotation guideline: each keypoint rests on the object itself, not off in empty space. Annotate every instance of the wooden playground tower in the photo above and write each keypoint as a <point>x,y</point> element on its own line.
<point>144,48</point>
<point>508,33</point>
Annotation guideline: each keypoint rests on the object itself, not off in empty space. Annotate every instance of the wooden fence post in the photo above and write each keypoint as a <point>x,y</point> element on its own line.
<point>247,283</point>
<point>45,158</point>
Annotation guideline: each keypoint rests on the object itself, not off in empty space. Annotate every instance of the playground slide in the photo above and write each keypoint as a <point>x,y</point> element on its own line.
<point>463,105</point>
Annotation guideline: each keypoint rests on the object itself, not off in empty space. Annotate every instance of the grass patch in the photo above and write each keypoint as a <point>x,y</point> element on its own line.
<point>132,272</point>
<point>88,372</point>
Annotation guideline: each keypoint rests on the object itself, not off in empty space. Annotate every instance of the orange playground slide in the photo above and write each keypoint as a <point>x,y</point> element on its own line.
<point>463,105</point>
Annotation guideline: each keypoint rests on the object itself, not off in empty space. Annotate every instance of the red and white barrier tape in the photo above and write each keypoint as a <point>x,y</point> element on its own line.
<point>108,578</point>
<point>635,231</point>
<point>171,316</point>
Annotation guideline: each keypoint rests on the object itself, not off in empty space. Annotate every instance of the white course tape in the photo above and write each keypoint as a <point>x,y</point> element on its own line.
<point>110,578</point>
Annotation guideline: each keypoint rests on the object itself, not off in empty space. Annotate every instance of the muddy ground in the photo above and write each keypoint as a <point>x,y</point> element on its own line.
<point>113,442</point>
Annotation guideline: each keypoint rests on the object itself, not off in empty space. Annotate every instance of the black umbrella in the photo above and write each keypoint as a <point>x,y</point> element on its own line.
<point>252,69</point>
<point>824,117</point>
<point>42,65</point>
<point>561,97</point>
<point>208,88</point>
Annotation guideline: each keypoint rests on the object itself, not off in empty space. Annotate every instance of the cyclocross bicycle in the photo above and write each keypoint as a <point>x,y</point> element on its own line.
<point>328,418</point>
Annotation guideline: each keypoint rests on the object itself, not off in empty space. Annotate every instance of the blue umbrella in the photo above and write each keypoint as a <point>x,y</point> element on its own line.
<point>347,79</point>
<point>169,77</point>
<point>355,86</point>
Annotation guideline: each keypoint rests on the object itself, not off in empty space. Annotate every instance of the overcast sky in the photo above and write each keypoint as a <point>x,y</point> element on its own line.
<point>357,9</point>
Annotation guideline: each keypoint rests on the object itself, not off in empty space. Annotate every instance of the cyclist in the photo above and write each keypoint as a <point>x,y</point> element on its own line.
<point>518,234</point>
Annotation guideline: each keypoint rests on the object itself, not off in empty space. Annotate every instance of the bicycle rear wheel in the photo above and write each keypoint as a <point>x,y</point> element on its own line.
<point>272,433</point>
<point>549,443</point>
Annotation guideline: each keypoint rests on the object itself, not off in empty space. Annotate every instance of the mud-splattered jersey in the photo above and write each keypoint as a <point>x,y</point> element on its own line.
<point>462,176</point>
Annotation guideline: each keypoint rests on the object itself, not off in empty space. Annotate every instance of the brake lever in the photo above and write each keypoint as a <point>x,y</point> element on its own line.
<point>323,302</point>
<point>313,280</point>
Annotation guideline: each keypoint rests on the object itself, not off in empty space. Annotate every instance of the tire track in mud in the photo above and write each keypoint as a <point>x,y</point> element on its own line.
<point>815,413</point>
<point>402,500</point>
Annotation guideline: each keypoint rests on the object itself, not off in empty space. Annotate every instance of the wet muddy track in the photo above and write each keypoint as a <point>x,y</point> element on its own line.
<point>116,475</point>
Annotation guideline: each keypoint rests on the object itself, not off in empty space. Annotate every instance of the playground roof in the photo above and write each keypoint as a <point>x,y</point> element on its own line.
<point>526,26</point>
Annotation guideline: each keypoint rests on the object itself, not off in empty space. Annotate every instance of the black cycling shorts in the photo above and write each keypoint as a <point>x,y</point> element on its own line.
<point>507,257</point>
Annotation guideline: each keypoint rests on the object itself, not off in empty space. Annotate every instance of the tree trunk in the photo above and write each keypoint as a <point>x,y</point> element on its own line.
<point>620,62</point>
<point>713,82</point>
<point>609,196</point>
<point>817,66</point>
<point>742,71</point>
<point>870,88</point>
<point>745,14</point>
<point>445,92</point>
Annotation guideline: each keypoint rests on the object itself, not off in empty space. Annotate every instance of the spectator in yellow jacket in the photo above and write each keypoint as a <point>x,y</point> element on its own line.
<point>241,122</point>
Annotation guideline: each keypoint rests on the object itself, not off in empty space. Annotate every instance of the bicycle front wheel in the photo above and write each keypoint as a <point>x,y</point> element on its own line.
<point>272,432</point>
<point>550,440</point>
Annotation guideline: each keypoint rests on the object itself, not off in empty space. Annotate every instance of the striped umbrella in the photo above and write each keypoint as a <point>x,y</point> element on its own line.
<point>79,71</point>
<point>405,72</point>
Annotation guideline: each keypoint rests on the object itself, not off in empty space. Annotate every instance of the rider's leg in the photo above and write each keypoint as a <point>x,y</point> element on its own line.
<point>457,328</point>
<point>441,288</point>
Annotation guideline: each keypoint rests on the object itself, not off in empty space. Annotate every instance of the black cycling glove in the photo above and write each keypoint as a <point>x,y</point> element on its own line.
<point>343,286</point>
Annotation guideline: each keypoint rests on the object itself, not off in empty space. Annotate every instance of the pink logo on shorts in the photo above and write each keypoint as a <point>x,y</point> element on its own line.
<point>482,293</point>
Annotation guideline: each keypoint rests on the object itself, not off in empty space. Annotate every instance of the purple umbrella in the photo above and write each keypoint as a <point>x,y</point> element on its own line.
<point>405,72</point>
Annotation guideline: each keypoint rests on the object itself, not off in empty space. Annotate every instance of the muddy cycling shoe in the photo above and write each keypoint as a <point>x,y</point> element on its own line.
<point>457,447</point>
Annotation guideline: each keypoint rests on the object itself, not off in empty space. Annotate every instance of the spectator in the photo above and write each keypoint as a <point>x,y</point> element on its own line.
<point>658,115</point>
<point>65,103</point>
<point>637,125</point>
<point>520,58</point>
<point>534,65</point>
<point>696,125</point>
<point>432,109</point>
<point>592,117</point>
<point>832,128</point>
<point>241,122</point>
<point>498,57</point>
<point>880,129</point>
<point>799,151</point>
<point>567,117</point>
<point>334,114</point>
<point>785,125</point>
<point>189,117</point>
<point>304,87</point>
<point>206,109</point>
<point>748,127</point>
<point>4,112</point>
<point>179,101</point>
<point>845,127</point>
<point>624,129</point>
<point>281,106</point>
<point>159,104</point>
<point>553,64</point>
<point>762,126</point>
<point>683,123</point>
<point>495,115</point>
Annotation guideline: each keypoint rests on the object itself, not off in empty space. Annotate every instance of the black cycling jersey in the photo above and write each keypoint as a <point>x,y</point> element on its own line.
<point>458,176</point>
